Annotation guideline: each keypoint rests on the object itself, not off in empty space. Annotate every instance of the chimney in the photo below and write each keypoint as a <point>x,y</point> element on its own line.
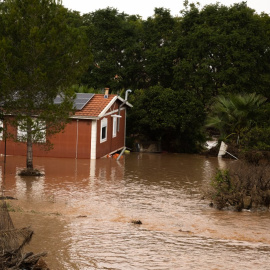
<point>106,95</point>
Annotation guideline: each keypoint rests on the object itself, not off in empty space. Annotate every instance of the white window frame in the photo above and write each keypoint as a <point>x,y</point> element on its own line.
<point>103,125</point>
<point>1,130</point>
<point>114,129</point>
<point>116,120</point>
<point>22,132</point>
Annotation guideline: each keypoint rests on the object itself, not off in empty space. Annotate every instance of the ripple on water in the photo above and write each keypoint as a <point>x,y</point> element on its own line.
<point>178,231</point>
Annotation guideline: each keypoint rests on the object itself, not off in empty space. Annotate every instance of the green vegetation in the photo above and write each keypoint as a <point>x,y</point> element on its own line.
<point>223,50</point>
<point>236,115</point>
<point>168,116</point>
<point>243,186</point>
<point>206,71</point>
<point>43,52</point>
<point>177,68</point>
<point>258,138</point>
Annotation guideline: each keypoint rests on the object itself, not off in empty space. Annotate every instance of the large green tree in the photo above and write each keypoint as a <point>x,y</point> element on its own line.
<point>130,52</point>
<point>115,47</point>
<point>223,50</point>
<point>43,51</point>
<point>159,48</point>
<point>171,117</point>
<point>154,113</point>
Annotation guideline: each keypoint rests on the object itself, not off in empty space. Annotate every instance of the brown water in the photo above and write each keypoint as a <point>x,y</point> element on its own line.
<point>81,212</point>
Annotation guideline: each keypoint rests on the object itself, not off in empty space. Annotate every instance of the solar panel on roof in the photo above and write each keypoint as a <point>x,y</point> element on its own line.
<point>79,102</point>
<point>57,100</point>
<point>82,99</point>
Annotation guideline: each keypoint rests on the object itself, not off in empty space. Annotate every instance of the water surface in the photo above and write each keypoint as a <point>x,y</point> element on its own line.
<point>81,212</point>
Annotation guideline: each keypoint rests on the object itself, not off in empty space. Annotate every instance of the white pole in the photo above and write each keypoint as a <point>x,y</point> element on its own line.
<point>223,150</point>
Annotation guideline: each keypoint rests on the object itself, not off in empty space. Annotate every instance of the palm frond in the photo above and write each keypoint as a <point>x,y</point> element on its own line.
<point>234,114</point>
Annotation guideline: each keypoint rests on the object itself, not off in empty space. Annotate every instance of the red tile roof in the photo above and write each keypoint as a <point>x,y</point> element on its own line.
<point>95,106</point>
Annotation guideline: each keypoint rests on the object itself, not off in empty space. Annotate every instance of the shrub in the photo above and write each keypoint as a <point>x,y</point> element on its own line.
<point>242,185</point>
<point>222,188</point>
<point>258,138</point>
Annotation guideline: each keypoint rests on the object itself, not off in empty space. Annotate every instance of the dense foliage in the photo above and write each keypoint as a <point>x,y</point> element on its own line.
<point>242,186</point>
<point>42,53</point>
<point>223,50</point>
<point>159,116</point>
<point>174,65</point>
<point>236,115</point>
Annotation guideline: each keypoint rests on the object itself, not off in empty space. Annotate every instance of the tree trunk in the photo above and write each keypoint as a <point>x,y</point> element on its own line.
<point>29,158</point>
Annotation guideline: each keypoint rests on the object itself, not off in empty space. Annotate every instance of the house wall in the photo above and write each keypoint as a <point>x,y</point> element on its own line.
<point>65,144</point>
<point>76,139</point>
<point>111,144</point>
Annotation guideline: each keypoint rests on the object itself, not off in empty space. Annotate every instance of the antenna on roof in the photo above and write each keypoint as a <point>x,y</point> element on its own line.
<point>126,94</point>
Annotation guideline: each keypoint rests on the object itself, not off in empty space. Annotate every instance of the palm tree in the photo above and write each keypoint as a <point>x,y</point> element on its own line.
<point>235,115</point>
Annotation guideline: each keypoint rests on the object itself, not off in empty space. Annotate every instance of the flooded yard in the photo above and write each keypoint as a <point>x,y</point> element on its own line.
<point>81,213</point>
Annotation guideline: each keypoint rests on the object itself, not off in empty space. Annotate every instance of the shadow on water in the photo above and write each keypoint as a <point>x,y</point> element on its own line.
<point>81,212</point>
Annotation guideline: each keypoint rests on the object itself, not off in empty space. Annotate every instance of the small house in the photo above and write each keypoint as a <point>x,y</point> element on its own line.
<point>96,129</point>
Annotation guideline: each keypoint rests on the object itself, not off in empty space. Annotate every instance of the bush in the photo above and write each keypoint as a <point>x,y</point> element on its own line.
<point>256,157</point>
<point>242,186</point>
<point>258,138</point>
<point>222,188</point>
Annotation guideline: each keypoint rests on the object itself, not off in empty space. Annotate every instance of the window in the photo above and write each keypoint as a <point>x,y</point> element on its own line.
<point>38,129</point>
<point>116,123</point>
<point>103,132</point>
<point>1,130</point>
<point>21,131</point>
<point>114,127</point>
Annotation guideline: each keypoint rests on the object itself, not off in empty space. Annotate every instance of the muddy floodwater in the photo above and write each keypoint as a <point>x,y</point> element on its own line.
<point>81,213</point>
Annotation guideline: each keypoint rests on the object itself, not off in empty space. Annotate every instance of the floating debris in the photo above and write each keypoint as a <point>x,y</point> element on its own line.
<point>7,198</point>
<point>12,242</point>
<point>138,222</point>
<point>185,231</point>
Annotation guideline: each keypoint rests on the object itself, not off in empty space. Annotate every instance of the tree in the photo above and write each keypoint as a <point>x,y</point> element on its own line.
<point>43,52</point>
<point>115,48</point>
<point>235,115</point>
<point>159,48</point>
<point>168,116</point>
<point>130,52</point>
<point>154,113</point>
<point>223,50</point>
